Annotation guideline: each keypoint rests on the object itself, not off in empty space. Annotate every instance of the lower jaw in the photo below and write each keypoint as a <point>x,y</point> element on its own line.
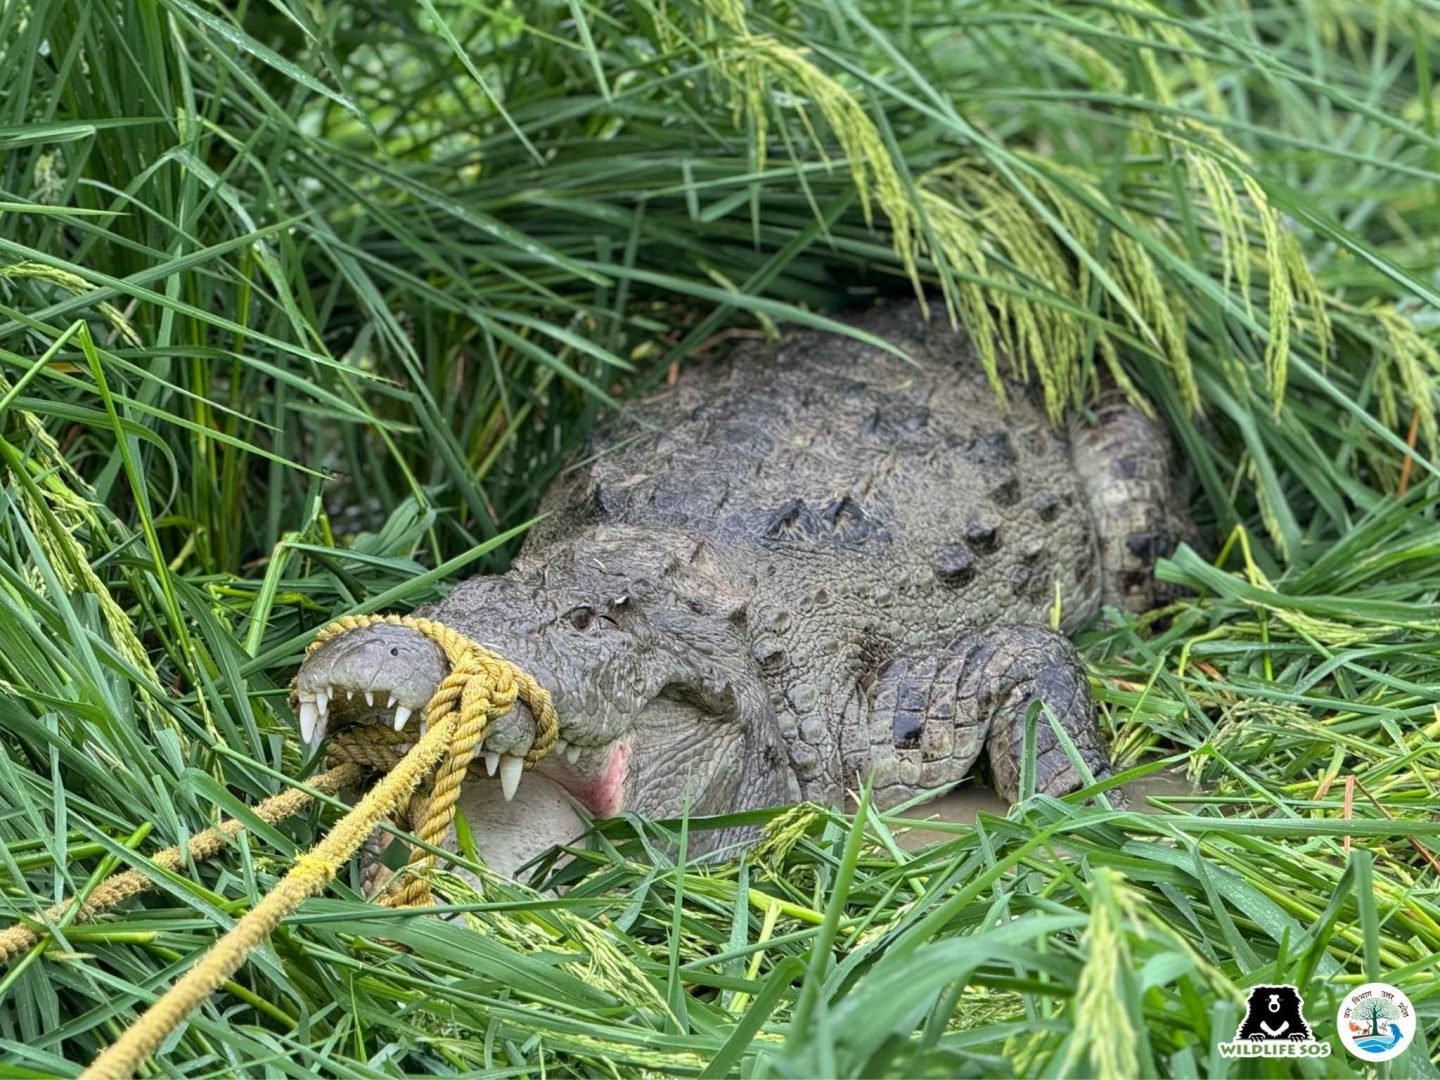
<point>510,833</point>
<point>545,810</point>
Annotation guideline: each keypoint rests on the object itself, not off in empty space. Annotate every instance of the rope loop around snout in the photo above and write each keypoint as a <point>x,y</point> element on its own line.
<point>484,686</point>
<point>480,687</point>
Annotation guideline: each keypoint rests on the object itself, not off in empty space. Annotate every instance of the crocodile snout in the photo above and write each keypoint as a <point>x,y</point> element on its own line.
<point>394,671</point>
<point>388,674</point>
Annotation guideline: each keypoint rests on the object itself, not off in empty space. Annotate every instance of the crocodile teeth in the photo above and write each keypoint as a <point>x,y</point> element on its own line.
<point>389,701</point>
<point>309,721</point>
<point>572,753</point>
<point>349,694</point>
<point>322,701</point>
<point>369,697</point>
<point>510,769</point>
<point>402,714</point>
<point>492,761</point>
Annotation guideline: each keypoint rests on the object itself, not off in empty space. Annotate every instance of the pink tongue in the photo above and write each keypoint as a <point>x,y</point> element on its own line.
<point>509,834</point>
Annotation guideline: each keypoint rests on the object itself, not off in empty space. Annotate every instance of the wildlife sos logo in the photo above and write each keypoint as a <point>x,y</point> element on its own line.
<point>1376,1022</point>
<point>1274,1026</point>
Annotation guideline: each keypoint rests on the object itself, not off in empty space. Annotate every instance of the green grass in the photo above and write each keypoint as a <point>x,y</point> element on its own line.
<point>418,249</point>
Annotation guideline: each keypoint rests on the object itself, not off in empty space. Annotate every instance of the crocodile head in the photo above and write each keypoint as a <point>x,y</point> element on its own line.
<point>662,708</point>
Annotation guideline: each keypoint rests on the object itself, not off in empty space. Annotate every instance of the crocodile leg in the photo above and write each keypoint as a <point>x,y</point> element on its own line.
<point>932,715</point>
<point>1025,664</point>
<point>1125,465</point>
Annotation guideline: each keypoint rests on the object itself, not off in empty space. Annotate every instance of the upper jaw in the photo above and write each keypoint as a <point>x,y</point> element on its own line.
<point>364,675</point>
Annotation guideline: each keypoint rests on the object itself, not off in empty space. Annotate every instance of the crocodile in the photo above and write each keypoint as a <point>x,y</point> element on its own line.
<point>806,565</point>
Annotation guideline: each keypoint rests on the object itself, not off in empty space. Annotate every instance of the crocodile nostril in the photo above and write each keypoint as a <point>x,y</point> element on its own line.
<point>394,651</point>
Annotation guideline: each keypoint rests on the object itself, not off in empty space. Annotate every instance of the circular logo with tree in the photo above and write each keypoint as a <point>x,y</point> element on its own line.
<point>1376,1022</point>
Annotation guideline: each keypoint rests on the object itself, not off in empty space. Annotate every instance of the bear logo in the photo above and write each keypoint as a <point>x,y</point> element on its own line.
<point>1274,1013</point>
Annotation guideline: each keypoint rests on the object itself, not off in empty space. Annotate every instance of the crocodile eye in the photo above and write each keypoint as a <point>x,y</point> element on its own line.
<point>581,617</point>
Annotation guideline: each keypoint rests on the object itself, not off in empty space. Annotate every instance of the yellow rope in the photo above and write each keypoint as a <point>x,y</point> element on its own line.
<point>311,873</point>
<point>481,686</point>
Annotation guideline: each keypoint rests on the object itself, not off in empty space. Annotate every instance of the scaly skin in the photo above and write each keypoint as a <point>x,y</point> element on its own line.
<point>809,563</point>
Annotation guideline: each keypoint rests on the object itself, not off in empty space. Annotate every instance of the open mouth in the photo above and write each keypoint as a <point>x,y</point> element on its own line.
<point>593,776</point>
